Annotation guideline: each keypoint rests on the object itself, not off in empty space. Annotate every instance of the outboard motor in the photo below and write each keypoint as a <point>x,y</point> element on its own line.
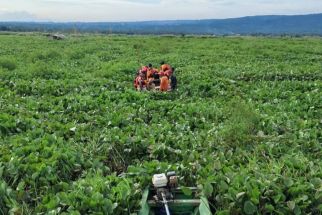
<point>163,183</point>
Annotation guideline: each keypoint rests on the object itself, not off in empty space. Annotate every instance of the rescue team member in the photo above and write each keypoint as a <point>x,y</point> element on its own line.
<point>165,73</point>
<point>147,76</point>
<point>151,71</point>
<point>135,83</point>
<point>151,76</point>
<point>173,80</point>
<point>165,69</point>
<point>141,77</point>
<point>140,81</point>
<point>144,70</point>
<point>164,85</point>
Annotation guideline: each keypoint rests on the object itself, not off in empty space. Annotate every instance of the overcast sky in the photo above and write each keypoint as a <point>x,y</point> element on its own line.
<point>137,10</point>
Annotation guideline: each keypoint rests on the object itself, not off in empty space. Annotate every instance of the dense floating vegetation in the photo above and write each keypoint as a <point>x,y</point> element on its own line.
<point>244,124</point>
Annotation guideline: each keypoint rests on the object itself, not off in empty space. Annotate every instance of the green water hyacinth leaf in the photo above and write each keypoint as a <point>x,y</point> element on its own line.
<point>249,208</point>
<point>239,195</point>
<point>317,182</point>
<point>208,189</point>
<point>291,205</point>
<point>21,186</point>
<point>269,208</point>
<point>288,182</point>
<point>187,191</point>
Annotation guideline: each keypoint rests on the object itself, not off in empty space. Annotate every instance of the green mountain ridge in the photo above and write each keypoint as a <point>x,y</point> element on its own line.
<point>267,25</point>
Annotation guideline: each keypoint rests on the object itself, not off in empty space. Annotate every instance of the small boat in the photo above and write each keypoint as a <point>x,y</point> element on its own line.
<point>178,204</point>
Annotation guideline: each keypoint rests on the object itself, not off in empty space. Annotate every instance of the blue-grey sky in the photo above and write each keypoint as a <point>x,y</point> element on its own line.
<point>137,10</point>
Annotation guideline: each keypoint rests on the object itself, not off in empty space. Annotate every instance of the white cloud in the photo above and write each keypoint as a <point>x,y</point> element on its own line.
<point>2,10</point>
<point>6,15</point>
<point>132,10</point>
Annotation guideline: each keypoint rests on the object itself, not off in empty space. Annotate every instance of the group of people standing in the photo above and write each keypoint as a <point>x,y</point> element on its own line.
<point>150,78</point>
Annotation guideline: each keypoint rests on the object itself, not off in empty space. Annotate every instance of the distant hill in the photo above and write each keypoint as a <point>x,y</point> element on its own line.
<point>254,25</point>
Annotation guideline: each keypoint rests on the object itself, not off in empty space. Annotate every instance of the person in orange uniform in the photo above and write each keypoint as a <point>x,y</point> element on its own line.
<point>141,78</point>
<point>165,73</point>
<point>144,70</point>
<point>151,76</point>
<point>151,71</point>
<point>165,69</point>
<point>141,81</point>
<point>164,85</point>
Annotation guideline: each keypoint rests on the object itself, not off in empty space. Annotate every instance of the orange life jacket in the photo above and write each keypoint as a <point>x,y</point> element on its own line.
<point>164,85</point>
<point>166,69</point>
